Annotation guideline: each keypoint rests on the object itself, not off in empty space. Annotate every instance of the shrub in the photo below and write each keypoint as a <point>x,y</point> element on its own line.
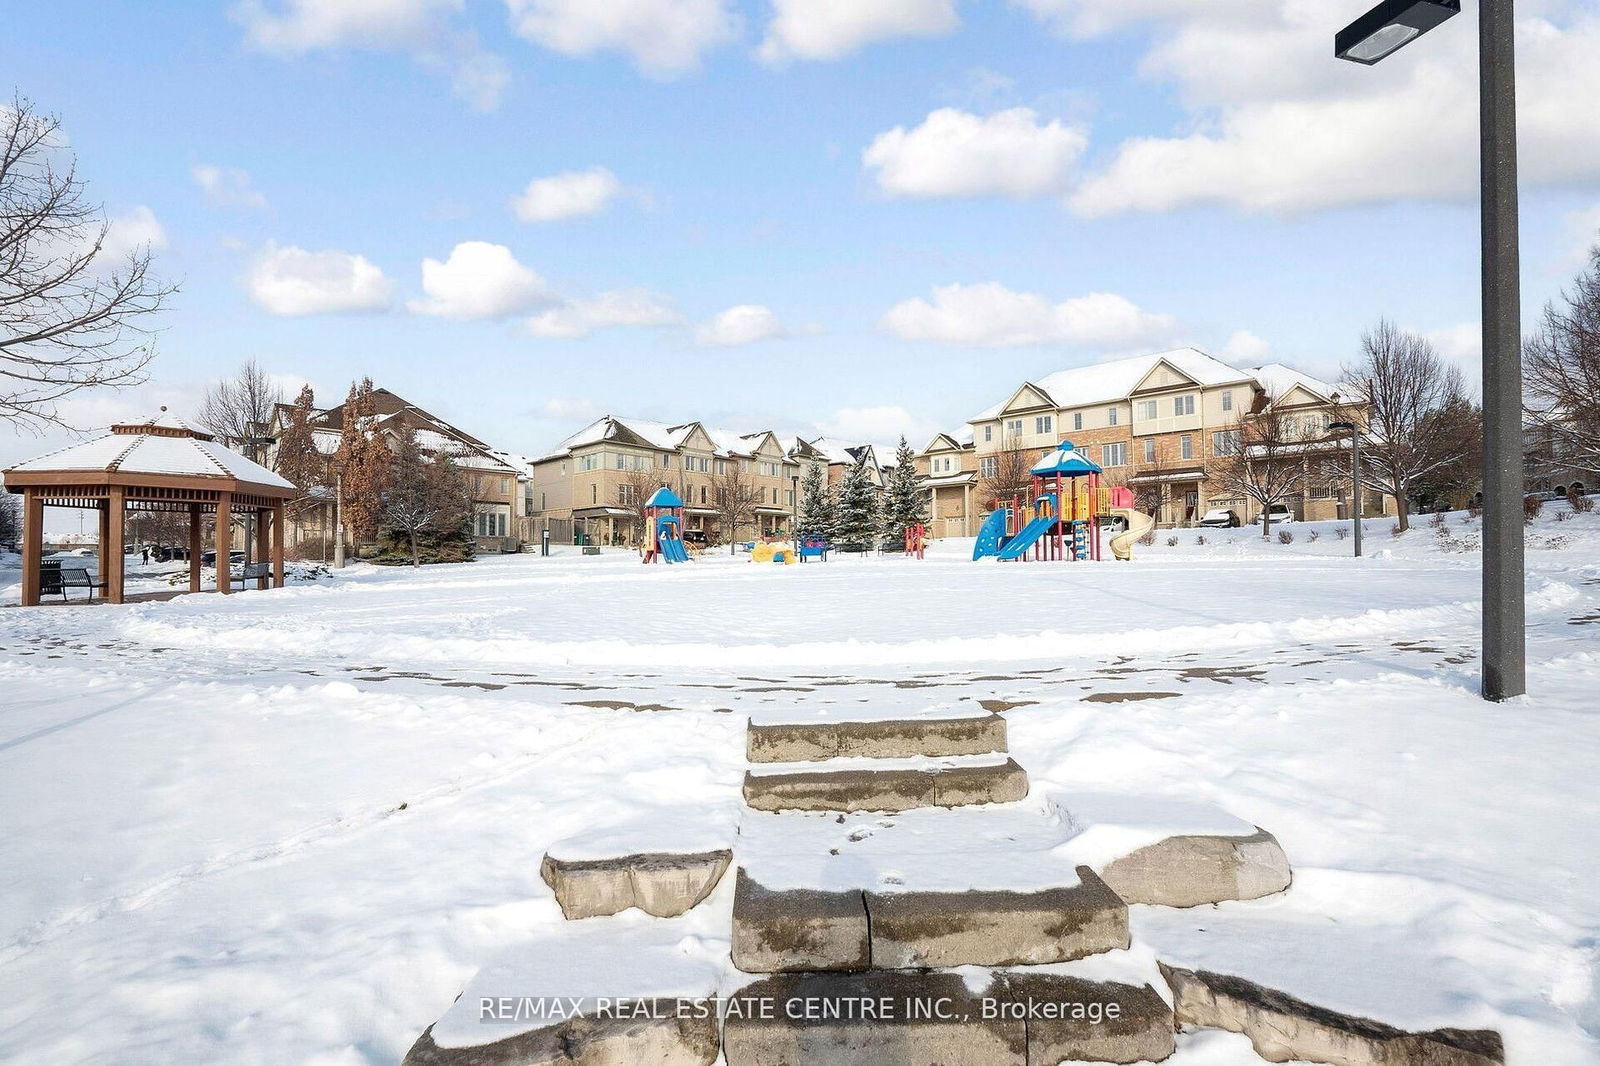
<point>1437,520</point>
<point>1474,512</point>
<point>1562,516</point>
<point>1172,542</point>
<point>1581,504</point>
<point>1285,537</point>
<point>1531,506</point>
<point>1342,532</point>
<point>1312,536</point>
<point>1200,539</point>
<point>1395,530</point>
<point>1148,539</point>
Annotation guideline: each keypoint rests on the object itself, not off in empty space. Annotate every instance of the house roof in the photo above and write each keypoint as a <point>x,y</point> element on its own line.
<point>1279,380</point>
<point>1116,379</point>
<point>644,432</point>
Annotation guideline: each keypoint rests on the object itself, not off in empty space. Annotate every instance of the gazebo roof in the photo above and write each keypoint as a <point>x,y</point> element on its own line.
<point>1067,461</point>
<point>162,450</point>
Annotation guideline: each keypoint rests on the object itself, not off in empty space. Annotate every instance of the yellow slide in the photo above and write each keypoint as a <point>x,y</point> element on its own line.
<point>1139,524</point>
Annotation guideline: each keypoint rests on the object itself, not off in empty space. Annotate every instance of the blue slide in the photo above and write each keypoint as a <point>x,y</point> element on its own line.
<point>673,549</point>
<point>989,537</point>
<point>1019,544</point>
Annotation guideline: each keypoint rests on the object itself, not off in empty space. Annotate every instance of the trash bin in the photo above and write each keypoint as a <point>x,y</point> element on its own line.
<point>50,577</point>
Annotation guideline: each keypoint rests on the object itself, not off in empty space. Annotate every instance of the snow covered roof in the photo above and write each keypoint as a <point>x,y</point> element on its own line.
<point>160,447</point>
<point>1279,380</point>
<point>845,452</point>
<point>1066,460</point>
<point>1118,378</point>
<point>658,435</point>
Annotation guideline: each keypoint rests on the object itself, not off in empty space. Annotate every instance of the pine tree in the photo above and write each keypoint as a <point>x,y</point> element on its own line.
<point>297,455</point>
<point>904,503</point>
<point>858,509</point>
<point>817,507</point>
<point>364,463</point>
<point>426,503</point>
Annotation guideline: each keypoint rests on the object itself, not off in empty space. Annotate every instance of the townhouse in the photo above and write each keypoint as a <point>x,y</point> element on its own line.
<point>948,465</point>
<point>594,483</point>
<point>1159,424</point>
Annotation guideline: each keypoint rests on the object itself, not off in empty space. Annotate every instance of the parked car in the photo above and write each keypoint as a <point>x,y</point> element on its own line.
<point>1279,512</point>
<point>696,537</point>
<point>210,558</point>
<point>1220,518</point>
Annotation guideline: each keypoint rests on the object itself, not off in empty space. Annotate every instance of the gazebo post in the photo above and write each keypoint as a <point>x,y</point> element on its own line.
<point>116,505</point>
<point>224,533</point>
<point>32,545</point>
<point>195,547</point>
<point>102,556</point>
<point>277,544</point>
<point>263,544</point>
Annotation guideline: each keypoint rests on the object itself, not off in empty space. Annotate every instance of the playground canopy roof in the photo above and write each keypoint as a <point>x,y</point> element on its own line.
<point>663,497</point>
<point>1067,461</point>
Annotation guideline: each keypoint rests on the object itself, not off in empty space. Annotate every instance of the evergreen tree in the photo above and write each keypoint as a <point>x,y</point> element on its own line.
<point>426,508</point>
<point>905,503</point>
<point>297,455</point>
<point>818,511</point>
<point>364,463</point>
<point>858,510</point>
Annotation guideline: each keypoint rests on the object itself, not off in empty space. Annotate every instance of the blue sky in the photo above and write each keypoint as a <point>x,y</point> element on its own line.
<point>1071,180</point>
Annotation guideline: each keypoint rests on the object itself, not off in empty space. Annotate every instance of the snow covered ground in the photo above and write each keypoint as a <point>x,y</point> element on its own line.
<point>290,826</point>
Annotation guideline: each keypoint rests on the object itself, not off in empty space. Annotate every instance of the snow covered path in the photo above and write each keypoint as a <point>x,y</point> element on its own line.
<point>290,826</point>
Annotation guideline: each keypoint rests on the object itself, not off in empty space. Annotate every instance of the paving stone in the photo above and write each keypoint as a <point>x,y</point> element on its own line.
<point>886,790</point>
<point>990,928</point>
<point>658,883</point>
<point>907,1019</point>
<point>798,929</point>
<point>1282,1028</point>
<point>900,739</point>
<point>669,1036</point>
<point>1186,871</point>
<point>1071,1019</point>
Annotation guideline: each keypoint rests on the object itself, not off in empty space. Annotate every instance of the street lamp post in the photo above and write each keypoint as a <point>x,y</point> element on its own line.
<point>1355,478</point>
<point>338,522</point>
<point>1378,34</point>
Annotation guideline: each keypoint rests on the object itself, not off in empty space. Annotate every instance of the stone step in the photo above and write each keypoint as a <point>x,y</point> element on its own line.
<point>1190,870</point>
<point>1281,1027</point>
<point>800,929</point>
<point>935,1019</point>
<point>887,739</point>
<point>902,789</point>
<point>659,883</point>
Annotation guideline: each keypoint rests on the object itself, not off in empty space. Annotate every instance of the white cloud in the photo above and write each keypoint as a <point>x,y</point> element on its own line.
<point>991,315</point>
<point>954,153</point>
<point>1462,345</point>
<point>743,324</point>
<point>665,38</point>
<point>573,409</point>
<point>1275,124</point>
<point>131,232</point>
<point>286,280</point>
<point>479,280</point>
<point>567,195</point>
<point>882,426</point>
<point>580,317</point>
<point>1584,228</point>
<point>428,30</point>
<point>1245,347</point>
<point>832,29</point>
<point>228,187</point>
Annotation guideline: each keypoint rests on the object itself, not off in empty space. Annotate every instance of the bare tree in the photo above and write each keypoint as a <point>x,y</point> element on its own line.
<point>10,518</point>
<point>239,409</point>
<point>1010,474</point>
<point>733,495</point>
<point>425,494</point>
<point>1264,461</point>
<point>635,487</point>
<point>70,317</point>
<point>1561,365</point>
<point>1409,391</point>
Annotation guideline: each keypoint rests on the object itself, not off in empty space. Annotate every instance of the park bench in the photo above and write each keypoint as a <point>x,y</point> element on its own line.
<point>60,579</point>
<point>251,572</point>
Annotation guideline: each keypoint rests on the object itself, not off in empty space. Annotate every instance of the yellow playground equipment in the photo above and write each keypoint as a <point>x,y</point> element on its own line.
<point>764,552</point>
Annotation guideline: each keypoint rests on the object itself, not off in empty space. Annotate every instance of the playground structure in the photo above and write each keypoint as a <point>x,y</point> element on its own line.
<point>916,540</point>
<point>773,552</point>
<point>1061,518</point>
<point>663,517</point>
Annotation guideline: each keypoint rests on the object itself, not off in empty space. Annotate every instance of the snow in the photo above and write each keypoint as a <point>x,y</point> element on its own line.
<point>293,825</point>
<point>1116,378</point>
<point>129,453</point>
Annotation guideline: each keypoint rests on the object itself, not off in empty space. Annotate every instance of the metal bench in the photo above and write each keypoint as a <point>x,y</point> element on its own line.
<point>251,572</point>
<point>59,579</point>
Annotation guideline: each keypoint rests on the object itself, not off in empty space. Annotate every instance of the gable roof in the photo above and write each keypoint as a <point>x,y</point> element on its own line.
<point>1279,380</point>
<point>1115,380</point>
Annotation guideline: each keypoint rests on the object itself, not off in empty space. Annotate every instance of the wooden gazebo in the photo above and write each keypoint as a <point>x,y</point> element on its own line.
<point>159,465</point>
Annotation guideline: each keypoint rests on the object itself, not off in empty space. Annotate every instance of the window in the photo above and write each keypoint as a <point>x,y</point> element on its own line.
<point>702,493</point>
<point>1042,424</point>
<point>626,495</point>
<point>721,466</point>
<point>1077,420</point>
<point>1321,492</point>
<point>988,433</point>
<point>1114,454</point>
<point>1014,427</point>
<point>1145,411</point>
<point>989,466</point>
<point>1227,399</point>
<point>1183,405</point>
<point>505,486</point>
<point>1149,450</point>
<point>1186,446</point>
<point>1111,416</point>
<point>588,462</point>
<point>1225,442</point>
<point>541,501</point>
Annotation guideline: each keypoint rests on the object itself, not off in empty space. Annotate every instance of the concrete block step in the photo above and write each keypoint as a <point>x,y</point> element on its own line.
<point>902,789</point>
<point>881,739</point>
<point>937,1019</point>
<point>800,929</point>
<point>659,883</point>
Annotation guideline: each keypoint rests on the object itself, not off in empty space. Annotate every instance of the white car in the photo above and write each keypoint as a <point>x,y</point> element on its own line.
<point>1279,512</point>
<point>1219,518</point>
